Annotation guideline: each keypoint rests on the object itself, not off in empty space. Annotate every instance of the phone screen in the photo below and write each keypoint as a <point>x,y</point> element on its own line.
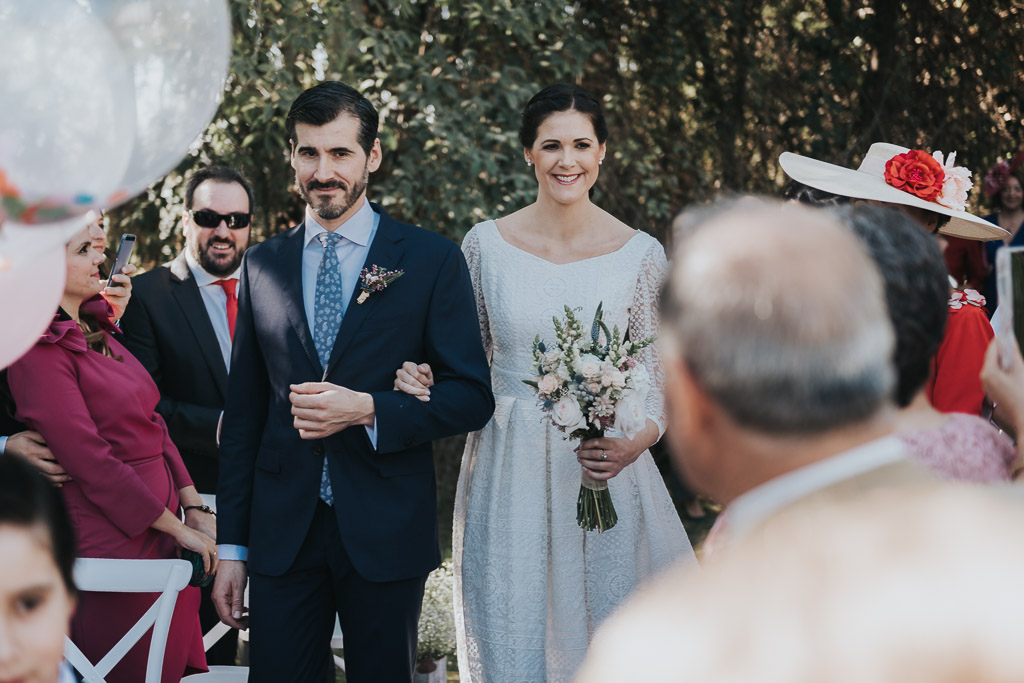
<point>1010,286</point>
<point>124,253</point>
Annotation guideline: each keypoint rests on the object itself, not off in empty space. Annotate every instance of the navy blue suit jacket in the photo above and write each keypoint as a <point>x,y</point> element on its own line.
<point>385,499</point>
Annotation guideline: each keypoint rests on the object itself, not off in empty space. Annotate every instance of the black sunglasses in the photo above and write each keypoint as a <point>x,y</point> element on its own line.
<point>205,218</point>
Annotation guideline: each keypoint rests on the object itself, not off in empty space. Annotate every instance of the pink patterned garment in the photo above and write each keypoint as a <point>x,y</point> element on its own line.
<point>966,448</point>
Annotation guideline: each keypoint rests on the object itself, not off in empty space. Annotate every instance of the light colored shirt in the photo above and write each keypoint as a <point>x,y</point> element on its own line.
<point>358,232</point>
<point>756,505</point>
<point>215,301</point>
<point>3,444</point>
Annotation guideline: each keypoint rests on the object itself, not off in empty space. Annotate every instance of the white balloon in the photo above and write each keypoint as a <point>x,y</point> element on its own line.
<point>67,110</point>
<point>44,237</point>
<point>101,98</point>
<point>30,290</point>
<point>179,52</point>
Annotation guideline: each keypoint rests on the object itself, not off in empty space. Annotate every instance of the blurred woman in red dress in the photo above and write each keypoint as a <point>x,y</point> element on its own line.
<point>94,404</point>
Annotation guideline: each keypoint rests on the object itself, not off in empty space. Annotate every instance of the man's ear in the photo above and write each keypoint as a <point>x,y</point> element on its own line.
<point>375,157</point>
<point>692,421</point>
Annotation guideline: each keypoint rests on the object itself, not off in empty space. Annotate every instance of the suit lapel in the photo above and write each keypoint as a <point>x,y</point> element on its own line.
<point>291,267</point>
<point>386,251</point>
<point>186,293</point>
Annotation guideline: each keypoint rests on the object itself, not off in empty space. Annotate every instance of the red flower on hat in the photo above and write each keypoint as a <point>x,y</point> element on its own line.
<point>916,172</point>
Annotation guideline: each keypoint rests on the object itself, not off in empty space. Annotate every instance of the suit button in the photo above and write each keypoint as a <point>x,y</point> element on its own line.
<point>318,450</point>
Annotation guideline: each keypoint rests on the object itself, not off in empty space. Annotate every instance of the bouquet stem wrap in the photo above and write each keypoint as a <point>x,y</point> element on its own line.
<point>594,508</point>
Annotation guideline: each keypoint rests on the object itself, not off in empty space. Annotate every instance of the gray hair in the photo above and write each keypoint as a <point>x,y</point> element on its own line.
<point>780,317</point>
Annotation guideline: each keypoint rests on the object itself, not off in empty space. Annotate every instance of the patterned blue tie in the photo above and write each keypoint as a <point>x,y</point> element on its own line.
<point>328,310</point>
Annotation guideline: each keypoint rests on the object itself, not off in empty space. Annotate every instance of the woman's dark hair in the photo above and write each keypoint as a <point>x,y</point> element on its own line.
<point>95,336</point>
<point>556,98</point>
<point>812,196</point>
<point>28,500</point>
<point>916,287</point>
<point>323,103</point>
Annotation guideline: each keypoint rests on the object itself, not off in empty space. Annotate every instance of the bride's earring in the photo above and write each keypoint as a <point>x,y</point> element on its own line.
<point>600,161</point>
<point>529,163</point>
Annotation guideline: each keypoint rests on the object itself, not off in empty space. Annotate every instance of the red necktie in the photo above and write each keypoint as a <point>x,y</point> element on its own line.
<point>230,286</point>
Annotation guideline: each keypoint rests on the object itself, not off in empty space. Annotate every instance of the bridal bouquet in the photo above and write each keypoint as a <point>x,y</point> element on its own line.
<point>585,385</point>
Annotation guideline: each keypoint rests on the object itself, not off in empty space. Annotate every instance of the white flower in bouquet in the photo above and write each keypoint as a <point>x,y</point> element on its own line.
<point>589,366</point>
<point>437,616</point>
<point>611,376</point>
<point>550,360</point>
<point>548,384</point>
<point>639,380</point>
<point>566,413</point>
<point>562,372</point>
<point>630,415</point>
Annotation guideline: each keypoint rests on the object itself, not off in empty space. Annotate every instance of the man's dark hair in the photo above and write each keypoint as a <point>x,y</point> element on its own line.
<point>916,288</point>
<point>323,103</point>
<point>28,500</point>
<point>218,174</point>
<point>558,98</point>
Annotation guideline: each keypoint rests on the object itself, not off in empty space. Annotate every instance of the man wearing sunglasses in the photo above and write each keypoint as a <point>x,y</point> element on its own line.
<point>180,326</point>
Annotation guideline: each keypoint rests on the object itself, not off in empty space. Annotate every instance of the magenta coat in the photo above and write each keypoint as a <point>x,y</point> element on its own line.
<point>98,416</point>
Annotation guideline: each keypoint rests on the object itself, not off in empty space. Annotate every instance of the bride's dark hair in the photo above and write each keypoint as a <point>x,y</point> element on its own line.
<point>556,98</point>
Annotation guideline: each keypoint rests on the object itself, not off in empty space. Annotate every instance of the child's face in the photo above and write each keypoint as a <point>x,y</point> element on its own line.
<point>35,608</point>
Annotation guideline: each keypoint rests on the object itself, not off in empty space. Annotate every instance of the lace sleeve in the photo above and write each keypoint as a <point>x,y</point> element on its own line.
<point>471,250</point>
<point>644,322</point>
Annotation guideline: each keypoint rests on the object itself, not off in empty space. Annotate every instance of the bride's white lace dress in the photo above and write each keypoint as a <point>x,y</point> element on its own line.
<point>531,587</point>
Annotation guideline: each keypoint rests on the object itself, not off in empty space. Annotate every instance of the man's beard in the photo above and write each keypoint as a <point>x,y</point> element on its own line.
<point>325,209</point>
<point>218,268</point>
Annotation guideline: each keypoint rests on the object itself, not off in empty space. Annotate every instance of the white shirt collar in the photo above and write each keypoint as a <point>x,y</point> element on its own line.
<point>749,510</point>
<point>356,229</point>
<point>202,277</point>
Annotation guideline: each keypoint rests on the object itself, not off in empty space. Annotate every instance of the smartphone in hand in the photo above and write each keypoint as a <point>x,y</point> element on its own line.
<point>124,254</point>
<point>1009,322</point>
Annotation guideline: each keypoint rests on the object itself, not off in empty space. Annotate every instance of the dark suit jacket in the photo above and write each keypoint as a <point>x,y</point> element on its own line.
<point>167,328</point>
<point>385,499</point>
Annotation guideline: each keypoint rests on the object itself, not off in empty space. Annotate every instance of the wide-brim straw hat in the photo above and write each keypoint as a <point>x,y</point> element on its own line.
<point>868,182</point>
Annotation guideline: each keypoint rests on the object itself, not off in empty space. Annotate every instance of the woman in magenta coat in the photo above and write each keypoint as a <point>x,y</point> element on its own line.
<point>94,404</point>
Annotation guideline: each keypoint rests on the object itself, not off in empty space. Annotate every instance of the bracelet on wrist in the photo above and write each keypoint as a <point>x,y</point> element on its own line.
<point>202,508</point>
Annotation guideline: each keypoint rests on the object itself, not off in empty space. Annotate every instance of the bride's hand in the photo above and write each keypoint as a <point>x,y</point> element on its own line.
<point>415,380</point>
<point>604,458</point>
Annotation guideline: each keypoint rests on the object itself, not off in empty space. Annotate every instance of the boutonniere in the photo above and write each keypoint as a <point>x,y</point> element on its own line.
<point>376,279</point>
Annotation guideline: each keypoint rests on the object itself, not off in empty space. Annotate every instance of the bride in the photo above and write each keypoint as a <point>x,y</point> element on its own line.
<point>531,586</point>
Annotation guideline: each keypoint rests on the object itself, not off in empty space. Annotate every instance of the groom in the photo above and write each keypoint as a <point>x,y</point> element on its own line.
<point>326,492</point>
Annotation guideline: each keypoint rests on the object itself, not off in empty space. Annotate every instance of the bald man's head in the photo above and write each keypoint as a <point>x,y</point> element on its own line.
<point>779,316</point>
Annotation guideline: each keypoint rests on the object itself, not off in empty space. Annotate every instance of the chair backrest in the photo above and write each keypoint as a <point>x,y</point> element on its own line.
<point>167,577</point>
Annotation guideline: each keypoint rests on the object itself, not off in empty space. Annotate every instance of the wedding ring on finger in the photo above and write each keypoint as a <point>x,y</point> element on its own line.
<point>604,455</point>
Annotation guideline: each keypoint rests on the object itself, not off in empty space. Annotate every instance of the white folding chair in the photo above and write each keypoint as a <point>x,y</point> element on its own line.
<point>221,674</point>
<point>167,577</point>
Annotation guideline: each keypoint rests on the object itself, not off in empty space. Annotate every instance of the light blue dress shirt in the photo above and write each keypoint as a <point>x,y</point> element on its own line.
<point>358,233</point>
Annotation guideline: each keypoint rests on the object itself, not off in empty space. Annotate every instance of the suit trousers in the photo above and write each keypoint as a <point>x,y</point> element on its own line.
<point>292,616</point>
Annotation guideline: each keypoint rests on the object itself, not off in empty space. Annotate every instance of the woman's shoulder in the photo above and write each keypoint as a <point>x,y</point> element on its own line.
<point>479,236</point>
<point>648,243</point>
